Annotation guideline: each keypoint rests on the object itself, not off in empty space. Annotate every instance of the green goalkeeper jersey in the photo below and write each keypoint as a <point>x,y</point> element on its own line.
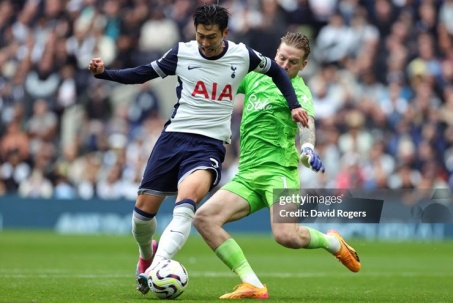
<point>267,132</point>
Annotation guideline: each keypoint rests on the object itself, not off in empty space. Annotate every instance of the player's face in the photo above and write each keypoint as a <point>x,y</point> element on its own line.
<point>291,59</point>
<point>210,39</point>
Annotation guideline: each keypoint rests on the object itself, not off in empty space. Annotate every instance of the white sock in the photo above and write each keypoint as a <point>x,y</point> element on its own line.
<point>334,244</point>
<point>143,229</point>
<point>250,277</point>
<point>176,233</point>
<point>253,279</point>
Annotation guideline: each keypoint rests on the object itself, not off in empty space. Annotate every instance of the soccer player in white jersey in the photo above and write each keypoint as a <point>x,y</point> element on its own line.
<point>267,162</point>
<point>186,160</point>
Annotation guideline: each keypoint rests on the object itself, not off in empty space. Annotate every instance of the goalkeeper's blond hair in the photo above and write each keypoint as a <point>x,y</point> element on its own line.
<point>297,40</point>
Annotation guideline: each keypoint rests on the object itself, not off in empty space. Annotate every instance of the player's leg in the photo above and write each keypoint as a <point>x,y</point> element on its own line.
<point>143,228</point>
<point>286,229</point>
<point>159,180</point>
<point>199,171</point>
<point>190,192</point>
<point>209,222</point>
<point>293,235</point>
<point>226,206</point>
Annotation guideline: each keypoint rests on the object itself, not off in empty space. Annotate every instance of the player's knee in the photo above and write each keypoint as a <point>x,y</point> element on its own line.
<point>201,220</point>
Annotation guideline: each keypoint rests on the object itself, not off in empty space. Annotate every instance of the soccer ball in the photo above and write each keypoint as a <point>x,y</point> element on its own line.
<point>168,279</point>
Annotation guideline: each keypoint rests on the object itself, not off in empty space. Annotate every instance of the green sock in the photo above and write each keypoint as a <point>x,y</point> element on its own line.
<point>233,257</point>
<point>317,239</point>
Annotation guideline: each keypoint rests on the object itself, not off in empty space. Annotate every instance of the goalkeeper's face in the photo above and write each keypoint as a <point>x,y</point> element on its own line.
<point>291,59</point>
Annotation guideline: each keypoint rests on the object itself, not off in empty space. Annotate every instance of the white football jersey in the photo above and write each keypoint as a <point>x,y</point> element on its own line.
<point>207,87</point>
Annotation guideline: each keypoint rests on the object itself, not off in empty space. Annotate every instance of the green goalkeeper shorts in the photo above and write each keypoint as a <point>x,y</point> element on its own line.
<point>257,186</point>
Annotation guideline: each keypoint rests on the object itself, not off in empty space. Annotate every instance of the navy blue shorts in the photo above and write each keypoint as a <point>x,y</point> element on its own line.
<point>177,155</point>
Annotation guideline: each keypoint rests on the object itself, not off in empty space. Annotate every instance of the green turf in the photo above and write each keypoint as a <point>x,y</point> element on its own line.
<point>46,267</point>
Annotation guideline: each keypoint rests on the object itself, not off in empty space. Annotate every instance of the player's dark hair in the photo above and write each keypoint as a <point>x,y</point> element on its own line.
<point>210,15</point>
<point>299,41</point>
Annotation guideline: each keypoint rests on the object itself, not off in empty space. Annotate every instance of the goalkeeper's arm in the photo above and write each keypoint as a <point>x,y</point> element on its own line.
<point>307,136</point>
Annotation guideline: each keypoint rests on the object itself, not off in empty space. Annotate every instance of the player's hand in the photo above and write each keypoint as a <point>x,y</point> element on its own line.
<point>300,115</point>
<point>96,66</point>
<point>311,159</point>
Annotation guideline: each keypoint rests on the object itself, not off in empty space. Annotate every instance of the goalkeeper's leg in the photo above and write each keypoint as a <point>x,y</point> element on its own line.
<point>209,220</point>
<point>293,235</point>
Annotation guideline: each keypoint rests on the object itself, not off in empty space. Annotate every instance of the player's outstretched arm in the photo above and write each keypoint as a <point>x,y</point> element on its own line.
<point>308,157</point>
<point>135,75</point>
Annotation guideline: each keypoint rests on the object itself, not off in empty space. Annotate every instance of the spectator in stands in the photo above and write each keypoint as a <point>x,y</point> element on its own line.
<point>151,49</point>
<point>446,16</point>
<point>42,125</point>
<point>13,171</point>
<point>270,26</point>
<point>43,80</point>
<point>66,95</point>
<point>351,174</point>
<point>356,138</point>
<point>38,185</point>
<point>110,186</point>
<point>63,189</point>
<point>13,140</point>
<point>335,41</point>
<point>90,166</point>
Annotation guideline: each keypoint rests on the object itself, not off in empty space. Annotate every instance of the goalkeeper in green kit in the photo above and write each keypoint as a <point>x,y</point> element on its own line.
<point>269,160</point>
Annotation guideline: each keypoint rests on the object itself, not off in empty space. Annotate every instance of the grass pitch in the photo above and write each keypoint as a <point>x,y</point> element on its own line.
<point>46,267</point>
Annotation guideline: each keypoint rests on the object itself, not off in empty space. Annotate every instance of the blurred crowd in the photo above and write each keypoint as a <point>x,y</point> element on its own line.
<point>381,75</point>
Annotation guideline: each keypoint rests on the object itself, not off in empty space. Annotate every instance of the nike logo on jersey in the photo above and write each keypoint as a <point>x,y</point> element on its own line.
<point>190,67</point>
